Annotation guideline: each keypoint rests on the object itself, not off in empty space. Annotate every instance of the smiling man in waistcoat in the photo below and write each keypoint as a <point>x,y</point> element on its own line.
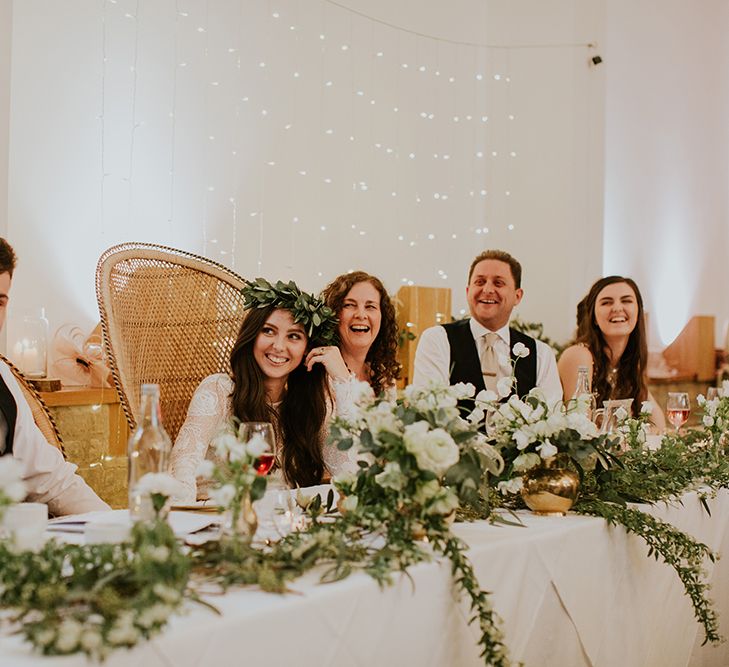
<point>478,350</point>
<point>48,478</point>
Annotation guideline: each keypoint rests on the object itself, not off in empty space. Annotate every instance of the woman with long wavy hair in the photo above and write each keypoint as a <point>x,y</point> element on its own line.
<point>368,333</point>
<point>612,343</point>
<point>268,382</point>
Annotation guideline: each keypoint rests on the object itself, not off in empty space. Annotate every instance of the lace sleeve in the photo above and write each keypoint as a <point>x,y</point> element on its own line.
<point>209,410</point>
<point>344,395</point>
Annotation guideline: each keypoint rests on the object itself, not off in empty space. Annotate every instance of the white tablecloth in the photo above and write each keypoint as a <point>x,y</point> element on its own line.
<point>571,591</point>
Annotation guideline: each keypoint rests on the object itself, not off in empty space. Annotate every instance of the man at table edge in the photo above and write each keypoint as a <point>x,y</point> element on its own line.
<point>47,476</point>
<point>452,352</point>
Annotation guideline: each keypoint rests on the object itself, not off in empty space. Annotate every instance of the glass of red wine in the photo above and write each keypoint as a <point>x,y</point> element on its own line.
<point>677,409</point>
<point>263,430</point>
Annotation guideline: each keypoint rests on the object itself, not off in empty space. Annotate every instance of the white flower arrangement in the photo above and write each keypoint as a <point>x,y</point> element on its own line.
<point>528,431</point>
<point>421,454</point>
<point>12,487</point>
<point>237,477</point>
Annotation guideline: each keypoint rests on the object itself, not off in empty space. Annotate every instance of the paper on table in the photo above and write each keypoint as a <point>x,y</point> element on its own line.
<point>183,523</point>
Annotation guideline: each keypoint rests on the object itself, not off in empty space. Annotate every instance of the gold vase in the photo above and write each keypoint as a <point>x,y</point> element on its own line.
<point>241,521</point>
<point>550,489</point>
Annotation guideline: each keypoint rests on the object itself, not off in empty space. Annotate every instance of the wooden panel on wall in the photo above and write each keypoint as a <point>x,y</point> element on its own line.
<point>417,309</point>
<point>692,352</point>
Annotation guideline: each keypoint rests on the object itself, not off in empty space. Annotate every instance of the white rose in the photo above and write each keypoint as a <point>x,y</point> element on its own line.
<point>256,446</point>
<point>69,634</point>
<point>224,443</point>
<point>426,491</point>
<point>444,503</point>
<point>381,418</point>
<point>503,386</point>
<point>91,640</point>
<point>349,504</point>
<point>433,450</point>
<point>237,452</point>
<point>160,483</point>
<point>708,421</point>
<point>391,477</point>
<point>223,496</point>
<point>520,350</point>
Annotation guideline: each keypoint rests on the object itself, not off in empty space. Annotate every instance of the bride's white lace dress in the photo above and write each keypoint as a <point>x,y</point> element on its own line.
<point>210,409</point>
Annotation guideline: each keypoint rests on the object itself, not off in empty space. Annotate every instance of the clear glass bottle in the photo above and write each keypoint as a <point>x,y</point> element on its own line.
<point>148,451</point>
<point>583,397</point>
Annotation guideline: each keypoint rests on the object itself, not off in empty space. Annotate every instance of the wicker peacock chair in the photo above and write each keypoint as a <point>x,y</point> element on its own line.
<point>169,318</point>
<point>41,414</point>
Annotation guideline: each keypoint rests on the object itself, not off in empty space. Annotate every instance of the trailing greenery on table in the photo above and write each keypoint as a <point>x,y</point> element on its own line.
<point>420,463</point>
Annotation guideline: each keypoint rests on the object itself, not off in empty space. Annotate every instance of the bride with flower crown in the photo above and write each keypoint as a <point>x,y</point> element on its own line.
<point>269,382</point>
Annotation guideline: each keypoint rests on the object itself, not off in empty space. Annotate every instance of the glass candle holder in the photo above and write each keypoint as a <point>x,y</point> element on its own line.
<point>30,352</point>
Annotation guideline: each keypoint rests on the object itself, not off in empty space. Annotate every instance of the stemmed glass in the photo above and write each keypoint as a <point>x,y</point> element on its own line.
<point>678,408</point>
<point>263,430</point>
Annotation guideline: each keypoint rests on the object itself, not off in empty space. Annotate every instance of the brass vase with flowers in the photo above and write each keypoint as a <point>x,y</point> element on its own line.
<point>551,488</point>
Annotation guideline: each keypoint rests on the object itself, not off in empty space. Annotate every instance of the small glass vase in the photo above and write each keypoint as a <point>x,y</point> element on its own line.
<point>551,488</point>
<point>30,352</point>
<point>241,521</point>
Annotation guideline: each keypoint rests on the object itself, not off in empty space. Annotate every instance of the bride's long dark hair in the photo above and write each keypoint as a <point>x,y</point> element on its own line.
<point>299,418</point>
<point>631,376</point>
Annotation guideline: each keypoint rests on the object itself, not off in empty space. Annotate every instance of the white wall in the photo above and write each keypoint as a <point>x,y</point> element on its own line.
<point>667,157</point>
<point>6,23</point>
<point>164,127</point>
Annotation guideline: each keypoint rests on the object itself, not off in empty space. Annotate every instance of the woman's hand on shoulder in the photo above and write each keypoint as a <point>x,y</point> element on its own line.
<point>331,358</point>
<point>570,360</point>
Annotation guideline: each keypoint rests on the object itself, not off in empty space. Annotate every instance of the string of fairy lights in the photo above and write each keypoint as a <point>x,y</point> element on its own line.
<point>336,125</point>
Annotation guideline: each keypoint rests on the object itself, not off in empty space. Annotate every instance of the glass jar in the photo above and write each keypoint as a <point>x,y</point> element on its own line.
<point>30,352</point>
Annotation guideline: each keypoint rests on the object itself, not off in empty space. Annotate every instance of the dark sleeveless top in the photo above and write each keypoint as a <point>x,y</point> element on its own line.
<point>466,365</point>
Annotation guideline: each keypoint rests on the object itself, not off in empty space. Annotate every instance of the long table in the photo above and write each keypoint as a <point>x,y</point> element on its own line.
<point>571,590</point>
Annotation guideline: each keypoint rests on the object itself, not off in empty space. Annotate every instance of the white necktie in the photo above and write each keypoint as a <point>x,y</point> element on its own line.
<point>489,361</point>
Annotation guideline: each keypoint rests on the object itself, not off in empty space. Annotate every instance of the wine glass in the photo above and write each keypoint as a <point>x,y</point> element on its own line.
<point>264,430</point>
<point>677,408</point>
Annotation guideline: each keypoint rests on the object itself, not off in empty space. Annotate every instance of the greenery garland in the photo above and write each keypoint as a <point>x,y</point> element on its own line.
<point>69,598</point>
<point>677,549</point>
<point>93,599</point>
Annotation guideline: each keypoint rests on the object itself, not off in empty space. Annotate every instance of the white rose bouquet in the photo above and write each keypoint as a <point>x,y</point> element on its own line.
<point>422,459</point>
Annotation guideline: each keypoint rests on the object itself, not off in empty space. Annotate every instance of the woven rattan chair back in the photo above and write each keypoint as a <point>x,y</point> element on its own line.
<point>41,414</point>
<point>169,318</point>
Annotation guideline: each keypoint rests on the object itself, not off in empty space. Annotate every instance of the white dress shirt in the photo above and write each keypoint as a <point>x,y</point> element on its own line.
<point>49,478</point>
<point>433,358</point>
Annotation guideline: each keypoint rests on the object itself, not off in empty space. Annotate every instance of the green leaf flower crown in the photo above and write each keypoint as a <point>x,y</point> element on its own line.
<point>317,318</point>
